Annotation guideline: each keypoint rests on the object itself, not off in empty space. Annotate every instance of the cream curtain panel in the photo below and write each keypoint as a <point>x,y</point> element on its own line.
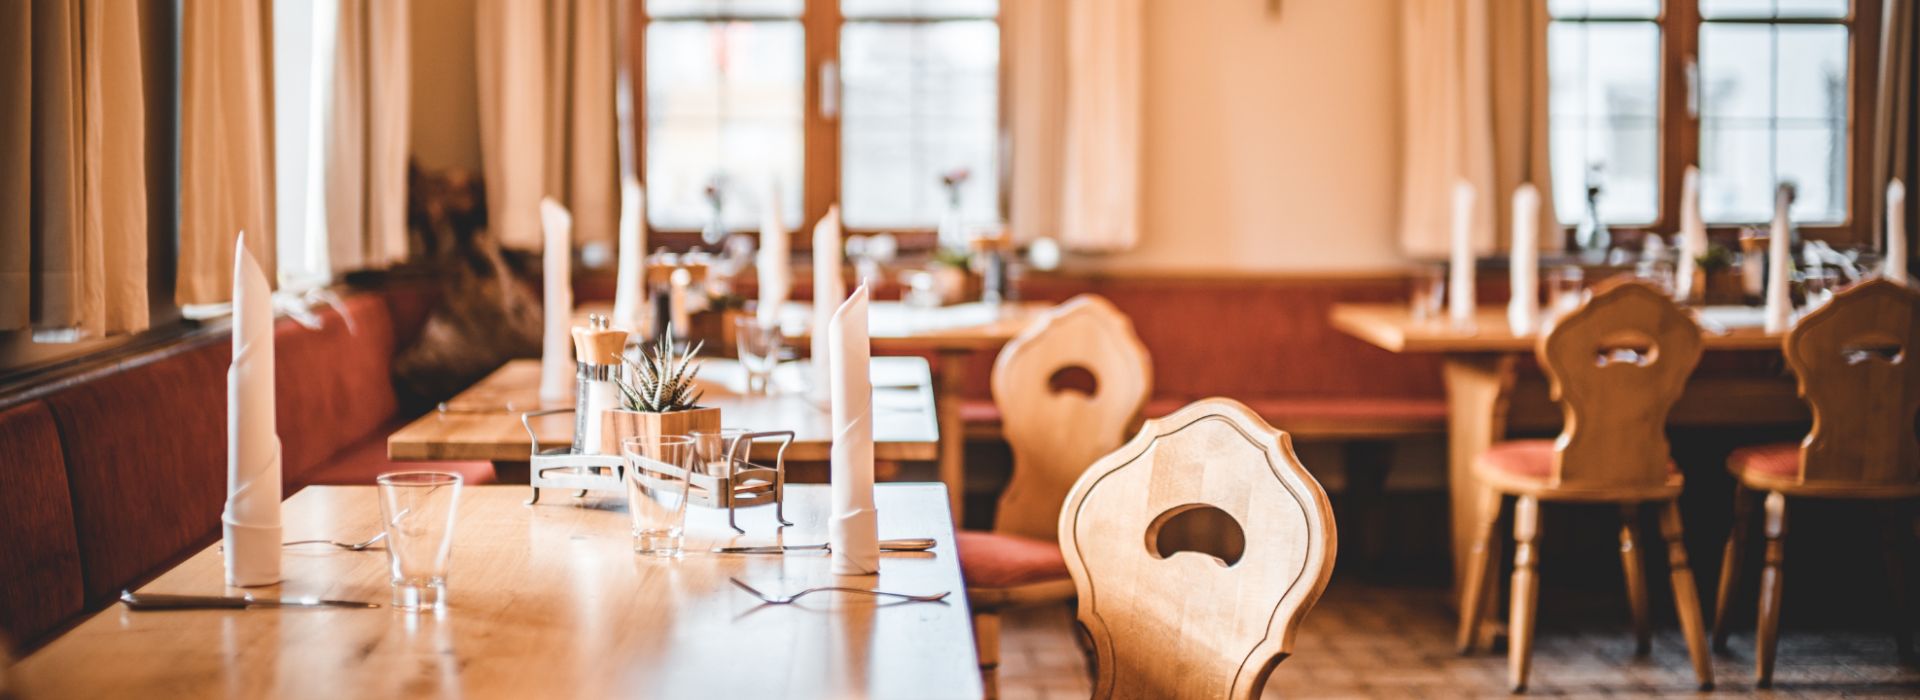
<point>547,122</point>
<point>1475,94</point>
<point>226,139</point>
<point>73,199</point>
<point>367,136</point>
<point>1075,92</point>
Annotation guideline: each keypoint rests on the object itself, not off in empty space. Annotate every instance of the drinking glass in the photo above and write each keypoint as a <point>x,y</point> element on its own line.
<point>416,510</point>
<point>657,470</point>
<point>1658,273</point>
<point>1428,293</point>
<point>1566,288</point>
<point>1819,285</point>
<point>759,347</point>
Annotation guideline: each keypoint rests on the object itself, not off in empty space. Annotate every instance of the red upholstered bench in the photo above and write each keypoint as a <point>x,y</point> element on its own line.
<point>40,555</point>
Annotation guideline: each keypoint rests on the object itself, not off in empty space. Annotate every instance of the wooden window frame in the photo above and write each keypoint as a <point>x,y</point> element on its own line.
<point>1679,130</point>
<point>820,22</point>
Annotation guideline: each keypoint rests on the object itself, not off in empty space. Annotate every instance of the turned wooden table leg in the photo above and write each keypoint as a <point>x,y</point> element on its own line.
<point>1481,565</point>
<point>951,368</point>
<point>1477,389</point>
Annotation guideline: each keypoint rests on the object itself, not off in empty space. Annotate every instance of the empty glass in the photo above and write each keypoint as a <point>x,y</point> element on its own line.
<point>1819,284</point>
<point>1429,291</point>
<point>1566,288</point>
<point>759,347</point>
<point>657,471</point>
<point>416,510</point>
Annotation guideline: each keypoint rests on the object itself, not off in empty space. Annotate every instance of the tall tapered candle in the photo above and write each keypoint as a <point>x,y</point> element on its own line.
<point>1460,270</point>
<point>1693,236</point>
<point>1779,309</point>
<point>1896,232</point>
<point>1523,310</point>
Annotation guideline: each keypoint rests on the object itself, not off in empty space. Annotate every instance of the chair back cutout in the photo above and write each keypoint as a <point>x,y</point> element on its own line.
<point>1854,359</point>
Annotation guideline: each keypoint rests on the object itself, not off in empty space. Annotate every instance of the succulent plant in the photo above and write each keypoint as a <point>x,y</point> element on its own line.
<point>662,380</point>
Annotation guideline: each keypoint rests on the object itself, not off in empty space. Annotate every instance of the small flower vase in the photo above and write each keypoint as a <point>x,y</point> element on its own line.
<point>953,232</point>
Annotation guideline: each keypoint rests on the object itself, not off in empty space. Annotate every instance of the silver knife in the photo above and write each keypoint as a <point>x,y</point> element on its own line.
<point>917,544</point>
<point>164,601</point>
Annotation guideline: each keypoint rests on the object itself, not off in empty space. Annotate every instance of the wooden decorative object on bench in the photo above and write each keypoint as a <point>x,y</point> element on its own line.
<point>1055,431</point>
<point>1186,624</point>
<point>1853,358</point>
<point>1616,366</point>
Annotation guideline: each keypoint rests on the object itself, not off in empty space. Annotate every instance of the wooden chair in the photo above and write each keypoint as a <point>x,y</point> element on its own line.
<point>1853,360</point>
<point>1056,426</point>
<point>1615,365</point>
<point>1183,623</point>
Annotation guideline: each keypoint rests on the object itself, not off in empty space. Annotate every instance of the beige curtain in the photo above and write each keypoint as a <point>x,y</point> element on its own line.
<point>1474,82</point>
<point>547,122</point>
<point>1894,120</point>
<point>226,138</point>
<point>1036,49</point>
<point>367,136</point>
<point>73,185</point>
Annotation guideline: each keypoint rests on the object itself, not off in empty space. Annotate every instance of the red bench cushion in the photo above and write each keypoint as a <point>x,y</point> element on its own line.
<point>39,555</point>
<point>1532,459</point>
<point>993,560</point>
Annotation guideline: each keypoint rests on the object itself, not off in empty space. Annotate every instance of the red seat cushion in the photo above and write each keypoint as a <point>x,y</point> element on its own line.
<point>40,582</point>
<point>1532,459</point>
<point>360,462</point>
<point>993,560</point>
<point>1781,460</point>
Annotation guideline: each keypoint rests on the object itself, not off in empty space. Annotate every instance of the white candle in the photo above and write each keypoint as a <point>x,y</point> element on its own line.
<point>1779,309</point>
<point>773,265</point>
<point>1523,310</point>
<point>1460,271</point>
<point>629,288</point>
<point>828,291</point>
<point>556,351</point>
<point>1896,263</point>
<point>677,310</point>
<point>1693,236</point>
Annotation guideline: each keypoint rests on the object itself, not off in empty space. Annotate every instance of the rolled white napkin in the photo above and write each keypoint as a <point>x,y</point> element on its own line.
<point>1460,299</point>
<point>250,524</point>
<point>1693,236</point>
<point>1523,310</point>
<point>556,346</point>
<point>630,287</point>
<point>853,528</point>
<point>1896,263</point>
<point>1779,308</point>
<point>828,291</point>
<point>775,264</point>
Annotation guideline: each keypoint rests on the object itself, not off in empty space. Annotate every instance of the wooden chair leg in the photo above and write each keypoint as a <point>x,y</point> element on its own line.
<point>1731,562</point>
<point>1525,591</point>
<point>986,641</point>
<point>1767,630</point>
<point>1480,567</point>
<point>1630,565</point>
<point>1895,531</point>
<point>1686,597</point>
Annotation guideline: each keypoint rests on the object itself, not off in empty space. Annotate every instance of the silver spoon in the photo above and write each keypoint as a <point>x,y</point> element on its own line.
<point>783,600</point>
<point>350,546</point>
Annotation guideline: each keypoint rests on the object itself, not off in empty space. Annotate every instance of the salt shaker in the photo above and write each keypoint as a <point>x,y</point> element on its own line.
<point>596,349</point>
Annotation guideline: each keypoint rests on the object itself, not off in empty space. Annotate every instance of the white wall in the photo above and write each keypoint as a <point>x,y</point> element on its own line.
<point>1272,144</point>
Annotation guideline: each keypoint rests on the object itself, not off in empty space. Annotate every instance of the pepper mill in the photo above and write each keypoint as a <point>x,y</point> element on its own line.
<point>596,349</point>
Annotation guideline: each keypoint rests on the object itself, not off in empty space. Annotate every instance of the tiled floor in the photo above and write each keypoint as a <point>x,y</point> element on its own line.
<point>1396,641</point>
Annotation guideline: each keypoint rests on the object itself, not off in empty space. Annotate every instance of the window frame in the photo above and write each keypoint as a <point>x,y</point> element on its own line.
<point>820,22</point>
<point>1679,129</point>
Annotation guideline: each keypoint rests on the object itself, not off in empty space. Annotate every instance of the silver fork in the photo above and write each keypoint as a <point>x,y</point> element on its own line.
<point>350,546</point>
<point>783,600</point>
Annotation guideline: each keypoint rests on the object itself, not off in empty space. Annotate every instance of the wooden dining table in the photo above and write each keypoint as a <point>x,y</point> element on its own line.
<point>545,601</point>
<point>484,422</point>
<point>1487,394</point>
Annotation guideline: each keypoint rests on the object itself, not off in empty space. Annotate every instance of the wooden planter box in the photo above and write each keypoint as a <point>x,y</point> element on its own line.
<point>620,424</point>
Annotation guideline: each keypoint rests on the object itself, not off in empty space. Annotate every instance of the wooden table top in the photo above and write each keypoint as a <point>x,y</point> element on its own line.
<point>483,422</point>
<point>545,601</point>
<point>1391,327</point>
<point>894,327</point>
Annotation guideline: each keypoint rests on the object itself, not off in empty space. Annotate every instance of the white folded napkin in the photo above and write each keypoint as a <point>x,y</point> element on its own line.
<point>1523,309</point>
<point>774,264</point>
<point>853,529</point>
<point>629,288</point>
<point>556,344</point>
<point>250,524</point>
<point>1780,263</point>
<point>828,291</point>
<point>1896,263</point>
<point>1693,236</point>
<point>1460,278</point>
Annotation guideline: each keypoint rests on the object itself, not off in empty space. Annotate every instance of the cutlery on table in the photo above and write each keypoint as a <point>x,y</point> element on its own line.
<point>165,601</point>
<point>351,546</point>
<point>917,544</point>
<point>783,600</point>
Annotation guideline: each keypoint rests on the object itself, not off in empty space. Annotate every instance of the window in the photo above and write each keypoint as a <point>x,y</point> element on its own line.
<point>1755,92</point>
<point>867,103</point>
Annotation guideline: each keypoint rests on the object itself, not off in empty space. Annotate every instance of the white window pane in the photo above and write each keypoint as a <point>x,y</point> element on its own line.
<point>1604,106</point>
<point>718,9</point>
<point>1736,71</point>
<point>926,9</point>
<point>1774,108</point>
<point>1607,9</point>
<point>724,104</point>
<point>1736,171</point>
<point>921,99</point>
<point>1813,72</point>
<point>1767,9</point>
<point>1810,159</point>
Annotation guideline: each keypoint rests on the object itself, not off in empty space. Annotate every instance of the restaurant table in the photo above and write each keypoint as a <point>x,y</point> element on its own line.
<point>483,422</point>
<point>1479,369</point>
<point>545,601</point>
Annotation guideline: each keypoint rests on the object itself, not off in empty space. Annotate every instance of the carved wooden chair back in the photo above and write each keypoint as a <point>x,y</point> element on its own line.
<point>1616,365</point>
<point>1180,624</point>
<point>1055,423</point>
<point>1854,357</point>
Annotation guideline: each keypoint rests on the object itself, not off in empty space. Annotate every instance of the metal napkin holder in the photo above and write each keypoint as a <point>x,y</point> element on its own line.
<point>744,483</point>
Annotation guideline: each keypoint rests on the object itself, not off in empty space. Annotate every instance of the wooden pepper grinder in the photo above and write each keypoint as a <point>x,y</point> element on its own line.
<point>596,347</point>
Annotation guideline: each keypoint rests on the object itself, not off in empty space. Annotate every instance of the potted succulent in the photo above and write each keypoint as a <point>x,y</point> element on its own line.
<point>658,396</point>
